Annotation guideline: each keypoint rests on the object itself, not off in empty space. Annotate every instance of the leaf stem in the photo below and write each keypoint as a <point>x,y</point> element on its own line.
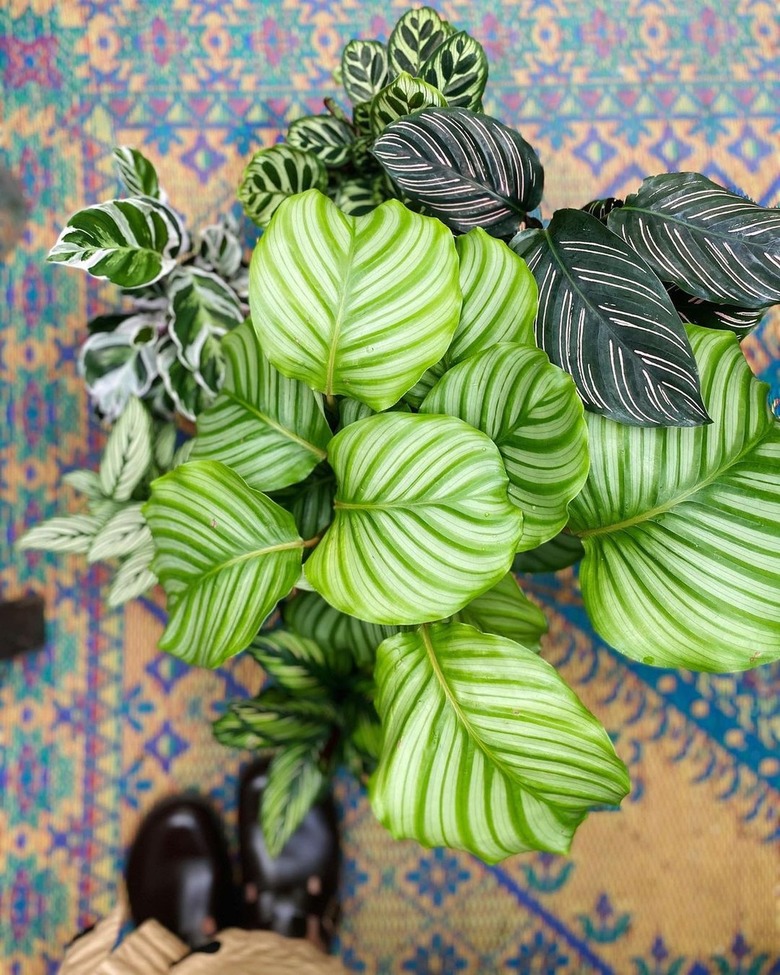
<point>312,542</point>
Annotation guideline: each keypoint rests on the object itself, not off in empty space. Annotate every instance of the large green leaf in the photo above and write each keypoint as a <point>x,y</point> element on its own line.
<point>506,611</point>
<point>423,523</point>
<point>271,430</point>
<point>275,174</point>
<point>464,167</point>
<point>201,306</point>
<point>607,320</point>
<point>225,556</point>
<point>339,302</point>
<point>708,241</point>
<point>295,783</point>
<point>415,39</point>
<point>136,172</point>
<point>328,138</point>
<point>682,527</point>
<point>363,70</point>
<point>531,411</point>
<point>486,749</point>
<point>403,96</point>
<point>458,69</point>
<point>128,452</point>
<point>128,242</point>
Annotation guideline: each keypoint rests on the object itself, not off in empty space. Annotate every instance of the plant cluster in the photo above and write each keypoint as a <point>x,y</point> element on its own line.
<point>434,389</point>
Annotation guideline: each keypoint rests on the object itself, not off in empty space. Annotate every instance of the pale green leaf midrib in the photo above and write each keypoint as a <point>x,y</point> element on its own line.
<point>238,560</point>
<point>339,318</point>
<point>286,432</point>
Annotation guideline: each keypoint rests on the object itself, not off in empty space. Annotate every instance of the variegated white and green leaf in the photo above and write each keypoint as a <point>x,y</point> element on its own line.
<point>458,68</point>
<point>708,241</point>
<point>403,96</point>
<point>225,556</point>
<point>188,390</point>
<point>220,250</point>
<point>123,534</point>
<point>128,452</point>
<point>607,320</point>
<point>63,533</point>
<point>506,611</point>
<point>134,576</point>
<point>485,749</point>
<point>422,524</point>
<point>137,173</point>
<point>337,301</point>
<point>201,306</point>
<point>681,527</point>
<point>415,39</point>
<point>328,138</point>
<point>120,364</point>
<point>295,783</point>
<point>364,70</point>
<point>128,242</point>
<point>275,174</point>
<point>531,411</point>
<point>271,430</point>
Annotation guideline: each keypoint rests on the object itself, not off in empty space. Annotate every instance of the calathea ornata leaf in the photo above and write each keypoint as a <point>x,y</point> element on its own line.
<point>298,663</point>
<point>499,297</point>
<point>730,318</point>
<point>201,306</point>
<point>423,523</point>
<point>708,241</point>
<point>465,168</point>
<point>531,411</point>
<point>458,69</point>
<point>225,556</point>
<point>128,242</point>
<point>337,301</point>
<point>506,611</point>
<point>601,209</point>
<point>271,430</point>
<point>682,527</point>
<point>559,553</point>
<point>123,533</point>
<point>275,174</point>
<point>295,783</point>
<point>460,706</point>
<point>363,70</point>
<point>274,719</point>
<point>415,38</point>
<point>134,576</point>
<point>403,96</point>
<point>326,137</point>
<point>357,197</point>
<point>607,320</point>
<point>136,172</point>
<point>128,452</point>
<point>63,533</point>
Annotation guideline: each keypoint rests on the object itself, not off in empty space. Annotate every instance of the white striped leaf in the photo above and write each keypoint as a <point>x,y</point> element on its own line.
<point>134,576</point>
<point>136,172</point>
<point>128,452</point>
<point>123,534</point>
<point>708,241</point>
<point>415,396</point>
<point>63,533</point>
<point>458,68</point>
<point>506,611</point>
<point>559,553</point>
<point>337,301</point>
<point>403,96</point>
<point>415,39</point>
<point>275,174</point>
<point>422,524</point>
<point>499,297</point>
<point>300,664</point>
<point>201,306</point>
<point>271,430</point>
<point>329,139</point>
<point>363,70</point>
<point>225,556</point>
<point>486,749</point>
<point>697,311</point>
<point>165,446</point>
<point>464,167</point>
<point>607,320</point>
<point>531,411</point>
<point>221,250</point>
<point>295,783</point>
<point>128,242</point>
<point>121,363</point>
<point>682,527</point>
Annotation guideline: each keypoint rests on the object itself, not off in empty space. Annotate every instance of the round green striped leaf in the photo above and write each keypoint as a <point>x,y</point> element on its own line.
<point>681,527</point>
<point>339,301</point>
<point>415,39</point>
<point>271,430</point>
<point>458,68</point>
<point>128,242</point>
<point>486,749</point>
<point>423,523</point>
<point>328,138</point>
<point>225,556</point>
<point>531,411</point>
<point>363,70</point>
<point>403,96</point>
<point>275,174</point>
<point>506,611</point>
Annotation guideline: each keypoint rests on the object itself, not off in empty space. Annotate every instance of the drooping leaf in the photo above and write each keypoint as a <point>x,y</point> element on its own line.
<point>730,318</point>
<point>682,527</point>
<point>300,664</point>
<point>531,411</point>
<point>225,556</point>
<point>136,172</point>
<point>201,306</point>
<point>338,307</point>
<point>357,197</point>
<point>465,168</point>
<point>363,70</point>
<point>271,430</point>
<point>415,38</point>
<point>134,576</point>
<point>486,749</point>
<point>275,174</point>
<point>274,719</point>
<point>123,534</point>
<point>295,783</point>
<point>458,68</point>
<point>128,452</point>
<point>506,611</point>
<point>607,320</point>
<point>423,524</point>
<point>63,533</point>
<point>559,553</point>
<point>326,137</point>
<point>708,241</point>
<point>128,242</point>
<point>403,96</point>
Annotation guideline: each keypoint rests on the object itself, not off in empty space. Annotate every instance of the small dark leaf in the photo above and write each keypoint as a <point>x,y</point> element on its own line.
<point>559,553</point>
<point>326,137</point>
<point>274,174</point>
<point>415,38</point>
<point>725,317</point>
<point>459,70</point>
<point>364,69</point>
<point>601,209</point>
<point>401,97</point>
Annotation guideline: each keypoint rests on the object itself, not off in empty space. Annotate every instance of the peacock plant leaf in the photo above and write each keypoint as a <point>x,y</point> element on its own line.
<point>275,718</point>
<point>485,749</point>
<point>506,611</point>
<point>301,665</point>
<point>422,524</point>
<point>415,39</point>
<point>364,70</point>
<point>269,429</point>
<point>531,411</point>
<point>337,301</point>
<point>225,556</point>
<point>273,175</point>
<point>188,391</point>
<point>63,533</point>
<point>136,172</point>
<point>681,527</point>
<point>295,783</point>
<point>458,69</point>
<point>607,320</point>
<point>403,96</point>
<point>329,139</point>
<point>359,196</point>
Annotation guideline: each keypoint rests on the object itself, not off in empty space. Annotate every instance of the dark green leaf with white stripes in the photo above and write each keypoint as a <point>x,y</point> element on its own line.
<point>607,320</point>
<point>506,611</point>
<point>136,172</point>
<point>273,719</point>
<point>415,38</point>
<point>682,527</point>
<point>423,523</point>
<point>295,783</point>
<point>707,240</point>
<point>486,749</point>
<point>364,70</point>
<point>708,314</point>
<point>328,138</point>
<point>275,174</point>
<point>403,96</point>
<point>300,664</point>
<point>458,69</point>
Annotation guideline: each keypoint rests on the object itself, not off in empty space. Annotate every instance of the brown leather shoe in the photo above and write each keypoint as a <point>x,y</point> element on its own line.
<point>296,893</point>
<point>179,872</point>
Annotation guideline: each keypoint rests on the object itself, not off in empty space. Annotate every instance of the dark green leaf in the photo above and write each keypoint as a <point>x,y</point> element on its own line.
<point>136,172</point>
<point>728,318</point>
<point>415,38</point>
<point>559,553</point>
<point>459,70</point>
<point>298,663</point>
<point>326,137</point>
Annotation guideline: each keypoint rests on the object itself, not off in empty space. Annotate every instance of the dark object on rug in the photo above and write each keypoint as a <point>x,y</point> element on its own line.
<point>13,211</point>
<point>22,626</point>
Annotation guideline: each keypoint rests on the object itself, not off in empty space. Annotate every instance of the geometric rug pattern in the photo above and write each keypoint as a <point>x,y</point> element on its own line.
<point>93,729</point>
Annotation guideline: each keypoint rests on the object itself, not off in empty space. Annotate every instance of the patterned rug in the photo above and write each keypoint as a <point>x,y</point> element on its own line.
<point>683,880</point>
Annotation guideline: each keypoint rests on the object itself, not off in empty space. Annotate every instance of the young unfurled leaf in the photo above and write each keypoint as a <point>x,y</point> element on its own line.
<point>364,70</point>
<point>326,137</point>
<point>136,172</point>
<point>458,69</point>
<point>275,174</point>
<point>128,452</point>
<point>415,38</point>
<point>403,96</point>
